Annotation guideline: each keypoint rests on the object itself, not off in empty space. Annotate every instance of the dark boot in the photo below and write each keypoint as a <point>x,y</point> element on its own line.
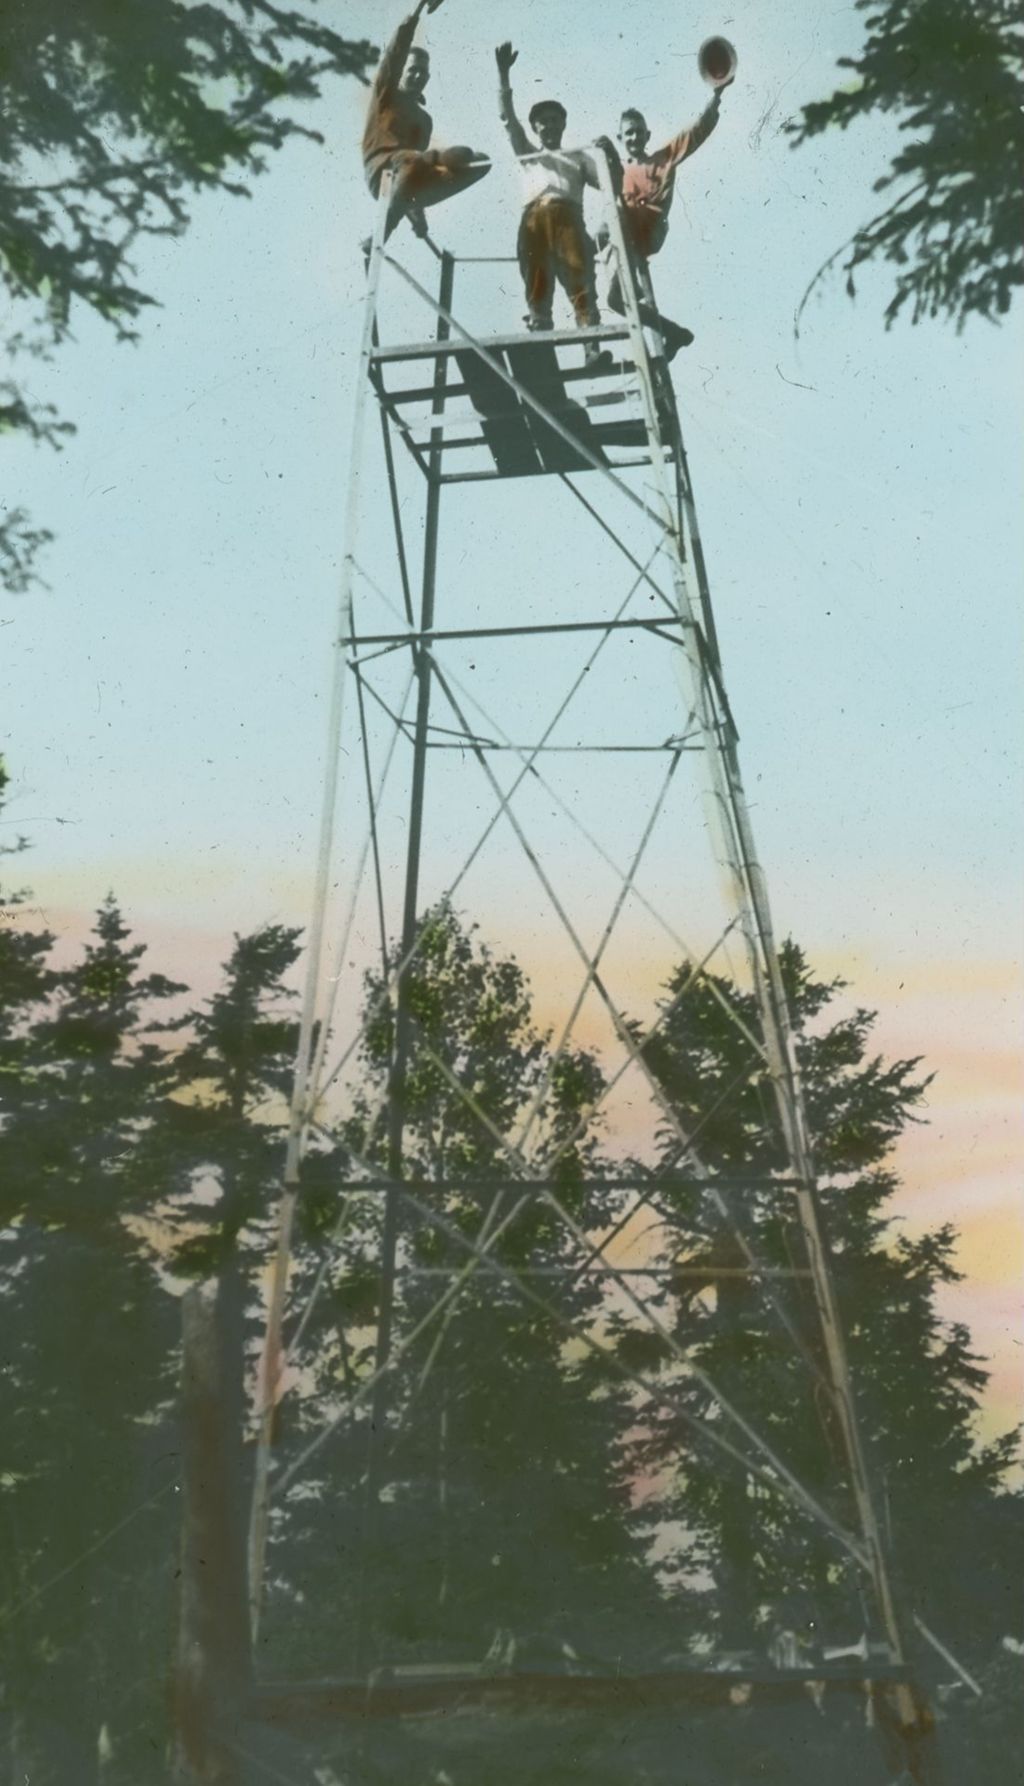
<point>596,358</point>
<point>674,336</point>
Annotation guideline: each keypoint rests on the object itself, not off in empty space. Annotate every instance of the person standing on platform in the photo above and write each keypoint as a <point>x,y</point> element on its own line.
<point>553,242</point>
<point>399,128</point>
<point>648,188</point>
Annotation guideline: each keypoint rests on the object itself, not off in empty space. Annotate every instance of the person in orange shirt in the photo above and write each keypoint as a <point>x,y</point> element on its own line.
<point>648,188</point>
<point>399,128</point>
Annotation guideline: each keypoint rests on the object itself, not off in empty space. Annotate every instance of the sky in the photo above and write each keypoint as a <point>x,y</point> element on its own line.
<point>859,493</point>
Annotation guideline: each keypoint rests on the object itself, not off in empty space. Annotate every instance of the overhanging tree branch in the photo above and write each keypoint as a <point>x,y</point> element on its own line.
<point>114,120</point>
<point>952,71</point>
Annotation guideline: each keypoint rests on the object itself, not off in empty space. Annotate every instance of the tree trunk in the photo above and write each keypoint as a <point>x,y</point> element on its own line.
<point>214,1664</point>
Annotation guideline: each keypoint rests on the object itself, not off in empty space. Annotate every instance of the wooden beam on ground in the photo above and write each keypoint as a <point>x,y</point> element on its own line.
<point>401,1693</point>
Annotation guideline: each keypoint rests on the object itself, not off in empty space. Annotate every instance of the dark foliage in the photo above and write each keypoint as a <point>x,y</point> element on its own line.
<point>502,1514</point>
<point>122,1162</point>
<point>506,1514</point>
<point>117,115</point>
<point>952,73</point>
<point>941,1490</point>
<point>85,1392</point>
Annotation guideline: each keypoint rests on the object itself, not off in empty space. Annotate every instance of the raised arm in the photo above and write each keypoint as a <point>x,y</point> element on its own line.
<point>391,66</point>
<point>505,55</point>
<point>689,141</point>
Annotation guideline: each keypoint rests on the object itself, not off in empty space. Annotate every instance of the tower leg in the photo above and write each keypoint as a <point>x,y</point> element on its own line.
<point>403,1020</point>
<point>309,1051</point>
<point>749,894</point>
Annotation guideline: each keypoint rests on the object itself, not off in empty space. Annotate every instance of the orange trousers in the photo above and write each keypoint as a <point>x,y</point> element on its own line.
<point>554,247</point>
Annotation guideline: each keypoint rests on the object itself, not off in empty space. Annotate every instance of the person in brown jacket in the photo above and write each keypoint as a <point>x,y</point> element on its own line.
<point>648,188</point>
<point>399,128</point>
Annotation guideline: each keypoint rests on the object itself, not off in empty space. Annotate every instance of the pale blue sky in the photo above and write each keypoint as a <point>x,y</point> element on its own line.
<point>859,494</point>
<point>863,534</point>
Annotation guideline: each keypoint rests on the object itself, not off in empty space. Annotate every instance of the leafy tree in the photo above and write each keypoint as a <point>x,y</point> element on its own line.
<point>952,72</point>
<point>946,1513</point>
<point>117,115</point>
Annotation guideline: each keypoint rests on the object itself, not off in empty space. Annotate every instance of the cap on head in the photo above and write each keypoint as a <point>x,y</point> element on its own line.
<point>554,106</point>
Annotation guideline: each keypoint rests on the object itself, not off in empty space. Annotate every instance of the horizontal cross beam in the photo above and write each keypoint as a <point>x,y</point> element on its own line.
<point>671,745</point>
<point>430,350</point>
<point>652,623</point>
<point>700,1272</point>
<point>538,1187</point>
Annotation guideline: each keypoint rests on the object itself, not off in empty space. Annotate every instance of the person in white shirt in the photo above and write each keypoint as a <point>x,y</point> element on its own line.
<point>553,242</point>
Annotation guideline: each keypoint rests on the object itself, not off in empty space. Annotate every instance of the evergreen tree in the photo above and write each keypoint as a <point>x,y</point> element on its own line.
<point>120,1160</point>
<point>503,1520</point>
<point>945,1509</point>
<point>217,1148</point>
<point>503,1517</point>
<point>25,981</point>
<point>217,1144</point>
<point>85,1388</point>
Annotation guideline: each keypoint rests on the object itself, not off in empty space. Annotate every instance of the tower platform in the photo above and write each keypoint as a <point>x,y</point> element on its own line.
<point>478,416</point>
